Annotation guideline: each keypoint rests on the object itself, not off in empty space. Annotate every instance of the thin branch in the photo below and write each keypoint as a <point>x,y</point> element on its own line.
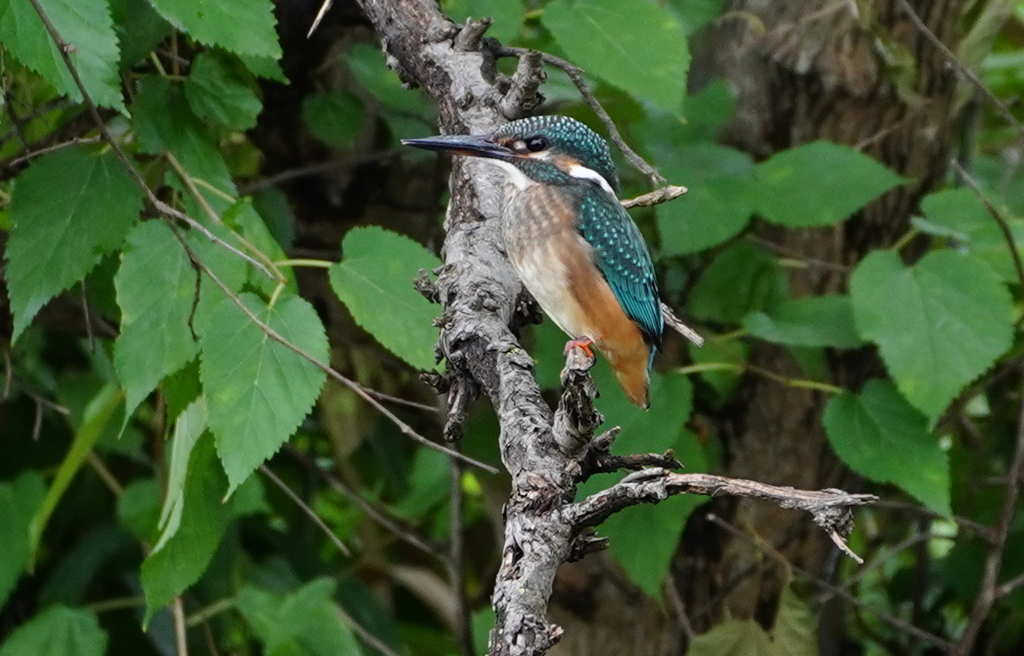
<point>575,74</point>
<point>961,67</point>
<point>656,197</point>
<point>180,635</point>
<point>55,147</point>
<point>1000,220</point>
<point>837,591</point>
<point>830,508</point>
<point>306,510</point>
<point>316,169</point>
<point>376,514</point>
<point>987,594</point>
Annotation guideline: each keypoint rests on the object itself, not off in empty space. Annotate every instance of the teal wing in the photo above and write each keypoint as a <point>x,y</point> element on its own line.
<point>622,257</point>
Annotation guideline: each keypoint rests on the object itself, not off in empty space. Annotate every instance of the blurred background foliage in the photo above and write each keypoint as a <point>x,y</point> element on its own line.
<point>860,298</point>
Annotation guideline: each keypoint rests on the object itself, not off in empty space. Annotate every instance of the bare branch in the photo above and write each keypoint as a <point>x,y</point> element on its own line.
<point>656,197</point>
<point>830,508</point>
<point>306,510</point>
<point>575,74</point>
<point>1000,220</point>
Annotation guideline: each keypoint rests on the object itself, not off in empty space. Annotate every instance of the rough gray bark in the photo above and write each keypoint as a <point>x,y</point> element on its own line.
<point>547,454</point>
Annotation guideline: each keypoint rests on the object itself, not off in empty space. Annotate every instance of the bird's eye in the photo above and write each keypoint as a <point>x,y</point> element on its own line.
<point>536,144</point>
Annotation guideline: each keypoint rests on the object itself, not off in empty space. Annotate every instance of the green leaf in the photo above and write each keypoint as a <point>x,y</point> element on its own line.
<point>647,561</point>
<point>98,413</point>
<point>268,68</point>
<point>336,117</point>
<point>187,430</point>
<point>302,622</point>
<point>507,15</point>
<point>156,288</point>
<point>244,220</point>
<point>958,213</point>
<point>741,279</point>
<point>794,633</point>
<point>880,436</point>
<point>634,44</point>
<point>139,29</point>
<point>374,280</point>
<point>717,206</point>
<point>257,389</point>
<point>58,237</point>
<point>819,184</point>
<point>939,324</point>
<point>138,508</point>
<point>220,89</point>
<point>58,631</point>
<point>180,558</point>
<point>87,28</point>
<point>19,500</point>
<point>809,321</point>
<point>164,122</point>
<point>242,26</point>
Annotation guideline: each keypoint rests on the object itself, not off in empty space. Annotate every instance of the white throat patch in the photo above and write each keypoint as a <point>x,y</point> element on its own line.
<point>583,173</point>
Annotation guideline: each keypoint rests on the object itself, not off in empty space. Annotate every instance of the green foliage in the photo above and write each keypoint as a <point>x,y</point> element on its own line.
<point>19,500</point>
<point>336,118</point>
<point>87,28</point>
<point>156,287</point>
<point>938,324</point>
<point>867,429</point>
<point>58,631</point>
<point>633,44</point>
<point>165,332</point>
<point>258,389</point>
<point>809,321</point>
<point>59,237</point>
<point>242,26</point>
<point>374,280</point>
<point>819,184</point>
<point>792,635</point>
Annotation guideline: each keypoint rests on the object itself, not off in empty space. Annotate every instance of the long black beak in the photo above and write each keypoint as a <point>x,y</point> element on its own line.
<point>460,144</point>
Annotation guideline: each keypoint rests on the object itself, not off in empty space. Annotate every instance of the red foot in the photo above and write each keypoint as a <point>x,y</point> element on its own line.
<point>582,343</point>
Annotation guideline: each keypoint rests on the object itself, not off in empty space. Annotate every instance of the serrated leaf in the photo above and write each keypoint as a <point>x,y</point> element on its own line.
<point>139,29</point>
<point>336,117</point>
<point>156,287</point>
<point>636,45</point>
<point>58,631</point>
<point>794,634</point>
<point>164,122</point>
<point>742,278</point>
<point>939,324</point>
<point>221,90</point>
<point>866,430</point>
<point>258,390</point>
<point>374,280</point>
<point>958,213</point>
<point>242,26</point>
<point>86,26</point>
<point>19,500</point>
<point>819,184</point>
<point>179,560</point>
<point>59,237</point>
<point>811,321</point>
<point>279,619</point>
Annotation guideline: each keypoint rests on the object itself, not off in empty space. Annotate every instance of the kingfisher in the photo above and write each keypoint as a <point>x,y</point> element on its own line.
<point>573,245</point>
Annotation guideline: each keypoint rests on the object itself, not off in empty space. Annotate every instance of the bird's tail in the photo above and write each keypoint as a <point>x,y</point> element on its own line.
<point>631,367</point>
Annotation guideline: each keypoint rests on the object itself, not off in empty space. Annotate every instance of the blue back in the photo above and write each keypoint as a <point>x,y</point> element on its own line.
<point>621,255</point>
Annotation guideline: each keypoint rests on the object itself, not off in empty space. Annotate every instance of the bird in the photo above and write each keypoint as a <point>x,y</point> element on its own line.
<point>573,245</point>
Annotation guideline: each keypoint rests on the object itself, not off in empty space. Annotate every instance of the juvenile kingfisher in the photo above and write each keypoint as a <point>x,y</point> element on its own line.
<point>571,242</point>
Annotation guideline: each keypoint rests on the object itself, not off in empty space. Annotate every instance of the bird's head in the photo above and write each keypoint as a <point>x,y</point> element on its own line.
<point>537,150</point>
